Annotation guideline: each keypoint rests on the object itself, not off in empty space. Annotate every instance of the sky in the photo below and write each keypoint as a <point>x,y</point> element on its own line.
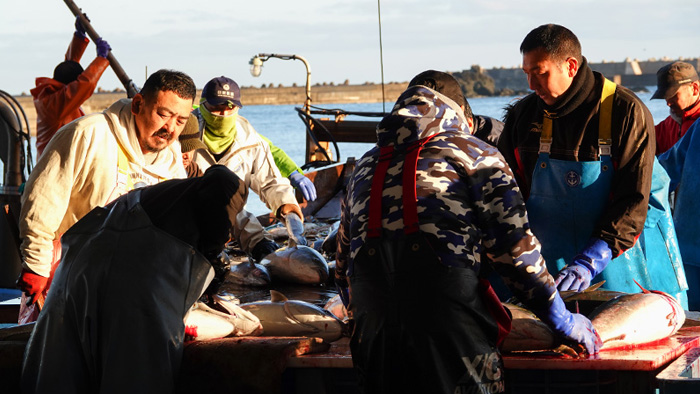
<point>339,38</point>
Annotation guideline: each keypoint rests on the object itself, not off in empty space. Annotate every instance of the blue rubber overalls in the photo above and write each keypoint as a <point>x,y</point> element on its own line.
<point>567,198</point>
<point>452,346</point>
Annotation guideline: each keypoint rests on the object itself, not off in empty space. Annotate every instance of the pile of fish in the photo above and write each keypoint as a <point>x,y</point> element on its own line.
<point>295,263</point>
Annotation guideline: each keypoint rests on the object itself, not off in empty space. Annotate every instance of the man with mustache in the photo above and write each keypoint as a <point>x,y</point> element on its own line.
<point>93,160</point>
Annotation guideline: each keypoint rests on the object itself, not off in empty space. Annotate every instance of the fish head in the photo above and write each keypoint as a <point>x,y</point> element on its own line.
<point>314,321</point>
<point>249,274</point>
<point>297,264</point>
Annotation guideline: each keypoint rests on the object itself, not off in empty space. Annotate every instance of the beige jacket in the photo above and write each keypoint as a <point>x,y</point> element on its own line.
<point>250,159</point>
<point>79,171</point>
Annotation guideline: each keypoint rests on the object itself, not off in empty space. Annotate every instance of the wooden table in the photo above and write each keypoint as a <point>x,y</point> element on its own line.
<point>611,371</point>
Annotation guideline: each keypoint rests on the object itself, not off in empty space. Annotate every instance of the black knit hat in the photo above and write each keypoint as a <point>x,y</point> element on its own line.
<point>189,138</point>
<point>67,72</point>
<point>443,83</point>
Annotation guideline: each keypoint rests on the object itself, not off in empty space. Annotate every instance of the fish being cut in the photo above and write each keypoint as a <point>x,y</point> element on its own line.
<point>297,264</point>
<point>625,320</point>
<point>292,318</point>
<point>633,319</point>
<point>527,332</point>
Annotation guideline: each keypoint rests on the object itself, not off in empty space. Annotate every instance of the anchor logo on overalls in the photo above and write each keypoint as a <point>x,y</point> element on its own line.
<point>573,178</point>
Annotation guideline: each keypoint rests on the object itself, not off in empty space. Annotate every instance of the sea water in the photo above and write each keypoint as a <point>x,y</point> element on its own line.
<point>283,126</point>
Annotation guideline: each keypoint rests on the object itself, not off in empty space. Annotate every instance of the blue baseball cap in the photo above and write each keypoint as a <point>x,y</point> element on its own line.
<point>222,90</point>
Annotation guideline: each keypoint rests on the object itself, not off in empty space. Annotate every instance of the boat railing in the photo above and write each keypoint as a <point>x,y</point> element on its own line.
<point>330,126</point>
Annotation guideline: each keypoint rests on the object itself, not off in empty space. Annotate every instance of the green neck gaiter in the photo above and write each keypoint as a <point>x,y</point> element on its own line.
<point>219,131</point>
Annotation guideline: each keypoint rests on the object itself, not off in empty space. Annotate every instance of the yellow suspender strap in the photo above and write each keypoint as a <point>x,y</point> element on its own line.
<point>604,122</point>
<point>546,136</point>
<point>605,117</point>
<point>123,168</point>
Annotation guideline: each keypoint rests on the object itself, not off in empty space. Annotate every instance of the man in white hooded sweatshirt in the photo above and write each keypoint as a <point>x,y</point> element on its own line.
<point>93,160</point>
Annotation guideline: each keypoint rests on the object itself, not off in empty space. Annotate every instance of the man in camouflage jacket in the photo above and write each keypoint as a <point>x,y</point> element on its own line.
<point>467,203</point>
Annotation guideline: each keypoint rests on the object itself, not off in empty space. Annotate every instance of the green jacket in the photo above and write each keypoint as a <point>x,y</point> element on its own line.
<point>284,163</point>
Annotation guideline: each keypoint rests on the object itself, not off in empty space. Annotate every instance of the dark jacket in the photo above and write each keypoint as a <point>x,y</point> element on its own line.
<point>487,129</point>
<point>575,138</point>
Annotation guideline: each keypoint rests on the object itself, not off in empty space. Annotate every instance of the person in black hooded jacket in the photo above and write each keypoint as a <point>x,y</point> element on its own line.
<point>582,149</point>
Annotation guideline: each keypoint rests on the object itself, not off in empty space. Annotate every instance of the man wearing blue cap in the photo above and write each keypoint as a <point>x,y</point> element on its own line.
<point>232,141</point>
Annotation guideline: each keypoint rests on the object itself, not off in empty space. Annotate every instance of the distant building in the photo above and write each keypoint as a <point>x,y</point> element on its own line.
<point>631,73</point>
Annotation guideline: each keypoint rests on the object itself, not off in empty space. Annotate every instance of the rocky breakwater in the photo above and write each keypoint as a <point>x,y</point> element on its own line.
<point>294,95</point>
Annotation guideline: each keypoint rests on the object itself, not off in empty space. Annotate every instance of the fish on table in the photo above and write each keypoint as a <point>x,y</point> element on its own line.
<point>633,319</point>
<point>296,264</point>
<point>203,322</point>
<point>293,318</point>
<point>626,320</point>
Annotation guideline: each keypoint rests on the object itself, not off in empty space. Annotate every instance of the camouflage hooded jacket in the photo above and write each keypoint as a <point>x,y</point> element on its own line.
<point>468,201</point>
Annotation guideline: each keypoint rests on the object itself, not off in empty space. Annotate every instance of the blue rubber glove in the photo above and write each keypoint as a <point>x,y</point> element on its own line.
<point>103,48</point>
<point>571,327</point>
<point>79,28</point>
<point>304,184</point>
<point>586,265</point>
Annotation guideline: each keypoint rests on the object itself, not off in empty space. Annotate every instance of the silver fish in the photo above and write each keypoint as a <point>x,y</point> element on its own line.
<point>634,319</point>
<point>295,228</point>
<point>527,332</point>
<point>296,264</point>
<point>204,323</point>
<point>292,318</point>
<point>626,320</point>
<point>248,273</point>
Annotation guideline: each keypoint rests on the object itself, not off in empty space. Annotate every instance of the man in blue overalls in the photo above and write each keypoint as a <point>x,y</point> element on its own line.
<point>582,149</point>
<point>422,208</point>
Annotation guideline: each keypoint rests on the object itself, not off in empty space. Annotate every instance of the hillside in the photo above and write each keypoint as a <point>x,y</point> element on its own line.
<point>340,94</point>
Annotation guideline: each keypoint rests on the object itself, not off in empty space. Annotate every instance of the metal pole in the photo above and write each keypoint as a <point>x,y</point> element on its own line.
<point>129,85</point>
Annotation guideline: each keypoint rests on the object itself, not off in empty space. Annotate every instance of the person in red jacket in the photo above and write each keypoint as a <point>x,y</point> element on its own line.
<point>677,84</point>
<point>57,100</point>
